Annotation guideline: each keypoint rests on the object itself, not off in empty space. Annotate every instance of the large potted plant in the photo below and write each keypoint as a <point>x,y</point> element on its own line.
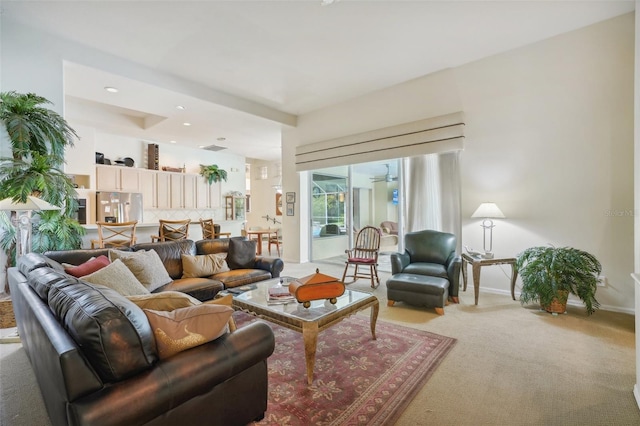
<point>549,274</point>
<point>37,137</point>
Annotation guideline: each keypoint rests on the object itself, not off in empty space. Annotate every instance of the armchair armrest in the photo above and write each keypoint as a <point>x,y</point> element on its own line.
<point>454,263</point>
<point>274,265</point>
<point>399,261</point>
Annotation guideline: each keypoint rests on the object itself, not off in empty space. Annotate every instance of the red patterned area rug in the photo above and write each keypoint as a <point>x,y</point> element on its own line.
<point>357,380</point>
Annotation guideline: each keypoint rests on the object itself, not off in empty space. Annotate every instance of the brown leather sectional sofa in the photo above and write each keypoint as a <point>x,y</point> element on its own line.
<point>94,356</point>
<point>170,253</point>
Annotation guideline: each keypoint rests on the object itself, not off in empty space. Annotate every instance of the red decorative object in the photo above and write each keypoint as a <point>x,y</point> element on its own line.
<point>316,287</point>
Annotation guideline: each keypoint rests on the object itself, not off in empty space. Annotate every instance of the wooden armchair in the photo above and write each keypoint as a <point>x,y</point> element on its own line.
<point>364,254</point>
<point>172,230</point>
<point>113,235</point>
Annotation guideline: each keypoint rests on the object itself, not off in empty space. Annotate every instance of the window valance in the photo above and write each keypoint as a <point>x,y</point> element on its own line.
<point>429,136</point>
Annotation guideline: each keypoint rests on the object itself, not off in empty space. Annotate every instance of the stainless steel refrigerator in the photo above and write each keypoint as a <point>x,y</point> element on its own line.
<point>118,206</point>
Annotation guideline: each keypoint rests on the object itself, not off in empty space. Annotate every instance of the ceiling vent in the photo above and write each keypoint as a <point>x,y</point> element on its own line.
<point>214,148</point>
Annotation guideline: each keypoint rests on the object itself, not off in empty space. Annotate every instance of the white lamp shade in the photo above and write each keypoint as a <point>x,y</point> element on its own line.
<point>32,203</point>
<point>488,210</point>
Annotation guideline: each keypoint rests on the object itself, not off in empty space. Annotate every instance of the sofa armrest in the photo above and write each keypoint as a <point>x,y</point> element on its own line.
<point>176,380</point>
<point>399,261</point>
<point>274,265</point>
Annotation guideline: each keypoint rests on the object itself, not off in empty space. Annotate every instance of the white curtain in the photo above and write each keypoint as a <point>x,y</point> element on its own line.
<point>432,193</point>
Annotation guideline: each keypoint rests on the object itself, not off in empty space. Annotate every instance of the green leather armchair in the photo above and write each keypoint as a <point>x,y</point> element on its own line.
<point>430,253</point>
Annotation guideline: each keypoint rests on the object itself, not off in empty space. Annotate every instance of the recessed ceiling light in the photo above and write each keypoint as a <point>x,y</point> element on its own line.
<point>180,107</point>
<point>172,142</point>
<point>111,89</point>
<point>187,124</point>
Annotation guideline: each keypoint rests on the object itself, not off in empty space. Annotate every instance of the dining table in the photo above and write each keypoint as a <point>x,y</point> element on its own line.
<point>259,233</point>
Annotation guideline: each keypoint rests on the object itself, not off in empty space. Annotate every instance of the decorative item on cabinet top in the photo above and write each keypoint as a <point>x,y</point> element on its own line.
<point>213,173</point>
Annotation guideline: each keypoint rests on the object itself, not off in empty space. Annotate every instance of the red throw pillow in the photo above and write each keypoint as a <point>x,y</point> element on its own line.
<point>88,267</point>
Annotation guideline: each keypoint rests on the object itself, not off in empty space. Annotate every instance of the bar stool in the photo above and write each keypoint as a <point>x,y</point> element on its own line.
<point>114,235</point>
<point>172,230</point>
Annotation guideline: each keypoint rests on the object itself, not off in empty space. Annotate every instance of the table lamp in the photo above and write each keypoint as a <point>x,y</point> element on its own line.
<point>488,211</point>
<point>23,225</point>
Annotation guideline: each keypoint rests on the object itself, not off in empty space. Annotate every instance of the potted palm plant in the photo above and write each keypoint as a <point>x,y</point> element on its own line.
<point>213,173</point>
<point>549,274</point>
<point>37,138</point>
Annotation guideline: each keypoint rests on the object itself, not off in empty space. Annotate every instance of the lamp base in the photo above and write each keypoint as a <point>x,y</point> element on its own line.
<point>487,255</point>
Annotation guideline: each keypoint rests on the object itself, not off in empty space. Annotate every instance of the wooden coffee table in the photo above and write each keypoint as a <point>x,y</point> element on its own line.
<point>309,321</point>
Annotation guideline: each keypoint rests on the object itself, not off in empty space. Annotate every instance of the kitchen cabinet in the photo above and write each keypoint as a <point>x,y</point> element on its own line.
<point>160,190</point>
<point>234,207</point>
<point>163,191</point>
<point>189,191</point>
<point>207,196</point>
<point>114,178</point>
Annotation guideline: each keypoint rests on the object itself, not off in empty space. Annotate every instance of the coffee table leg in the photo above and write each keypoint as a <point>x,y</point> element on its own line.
<point>374,317</point>
<point>310,337</point>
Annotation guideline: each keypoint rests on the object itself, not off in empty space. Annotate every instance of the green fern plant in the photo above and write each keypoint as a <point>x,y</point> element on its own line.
<point>550,273</point>
<point>213,173</point>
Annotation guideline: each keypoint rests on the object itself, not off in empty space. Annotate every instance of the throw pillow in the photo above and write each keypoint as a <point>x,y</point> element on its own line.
<point>226,301</point>
<point>185,328</point>
<point>164,301</point>
<point>90,266</point>
<point>117,277</point>
<point>203,265</point>
<point>145,265</point>
<point>241,254</point>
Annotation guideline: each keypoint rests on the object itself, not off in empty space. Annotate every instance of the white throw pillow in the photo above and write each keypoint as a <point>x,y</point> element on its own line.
<point>117,277</point>
<point>145,265</point>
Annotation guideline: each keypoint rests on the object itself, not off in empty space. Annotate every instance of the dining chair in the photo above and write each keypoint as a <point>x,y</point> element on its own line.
<point>364,254</point>
<point>274,239</point>
<point>172,230</point>
<point>115,234</point>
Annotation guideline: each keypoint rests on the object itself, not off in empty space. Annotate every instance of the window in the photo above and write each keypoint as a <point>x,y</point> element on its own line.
<point>328,206</point>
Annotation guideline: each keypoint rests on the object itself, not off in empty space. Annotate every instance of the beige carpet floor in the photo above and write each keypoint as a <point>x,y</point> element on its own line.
<point>512,365</point>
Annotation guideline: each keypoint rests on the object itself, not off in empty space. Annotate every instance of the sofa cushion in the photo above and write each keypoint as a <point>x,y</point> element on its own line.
<point>88,267</point>
<point>242,253</point>
<point>117,277</point>
<point>42,279</point>
<point>185,328</point>
<point>145,265</point>
<point>204,265</point>
<point>217,245</point>
<point>164,301</point>
<point>170,253</point>
<point>239,277</point>
<point>200,288</point>
<point>32,261</point>
<point>113,332</point>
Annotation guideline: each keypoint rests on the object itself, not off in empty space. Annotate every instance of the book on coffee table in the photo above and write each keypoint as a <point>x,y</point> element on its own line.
<point>280,294</point>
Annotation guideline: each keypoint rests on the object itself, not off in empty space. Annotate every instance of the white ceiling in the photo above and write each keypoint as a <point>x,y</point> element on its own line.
<point>291,57</point>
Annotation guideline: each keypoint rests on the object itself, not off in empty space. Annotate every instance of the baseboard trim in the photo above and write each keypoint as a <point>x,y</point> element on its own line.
<point>636,393</point>
<point>570,302</point>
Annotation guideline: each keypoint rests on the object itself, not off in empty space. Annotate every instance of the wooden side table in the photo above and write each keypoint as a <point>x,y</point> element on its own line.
<point>478,262</point>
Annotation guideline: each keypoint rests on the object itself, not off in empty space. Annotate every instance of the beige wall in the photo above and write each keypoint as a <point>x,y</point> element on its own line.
<point>549,138</point>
